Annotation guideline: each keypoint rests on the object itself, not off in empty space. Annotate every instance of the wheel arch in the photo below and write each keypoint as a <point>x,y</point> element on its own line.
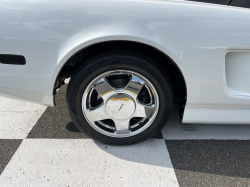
<point>164,61</point>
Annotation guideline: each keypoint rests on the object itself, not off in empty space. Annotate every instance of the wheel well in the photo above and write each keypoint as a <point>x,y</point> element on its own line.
<point>163,61</point>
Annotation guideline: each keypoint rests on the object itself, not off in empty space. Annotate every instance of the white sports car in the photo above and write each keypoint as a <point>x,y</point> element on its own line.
<point>129,61</point>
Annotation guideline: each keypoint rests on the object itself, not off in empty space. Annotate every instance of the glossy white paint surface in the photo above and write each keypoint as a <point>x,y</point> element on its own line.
<point>196,36</point>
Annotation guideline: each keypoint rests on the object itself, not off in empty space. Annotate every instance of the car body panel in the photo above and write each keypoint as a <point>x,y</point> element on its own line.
<point>196,36</point>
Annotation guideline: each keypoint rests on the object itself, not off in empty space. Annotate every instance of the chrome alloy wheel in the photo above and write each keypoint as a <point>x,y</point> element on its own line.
<point>120,103</point>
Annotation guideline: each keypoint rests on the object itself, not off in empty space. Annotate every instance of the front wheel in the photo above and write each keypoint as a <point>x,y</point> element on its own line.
<point>120,98</point>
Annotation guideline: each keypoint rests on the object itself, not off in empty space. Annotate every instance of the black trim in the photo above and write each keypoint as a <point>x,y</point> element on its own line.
<point>241,3</point>
<point>221,2</point>
<point>12,59</point>
<point>229,2</point>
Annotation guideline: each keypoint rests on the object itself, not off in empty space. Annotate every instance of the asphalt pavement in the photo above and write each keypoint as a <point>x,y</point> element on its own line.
<point>40,146</point>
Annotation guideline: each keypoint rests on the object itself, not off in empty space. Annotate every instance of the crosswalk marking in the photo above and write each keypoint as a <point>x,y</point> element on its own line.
<point>62,157</point>
<point>17,118</point>
<point>43,162</point>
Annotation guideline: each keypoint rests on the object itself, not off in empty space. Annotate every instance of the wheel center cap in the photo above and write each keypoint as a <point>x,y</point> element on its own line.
<point>120,106</point>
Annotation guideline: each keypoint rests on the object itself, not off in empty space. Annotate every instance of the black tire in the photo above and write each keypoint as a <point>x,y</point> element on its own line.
<point>119,60</point>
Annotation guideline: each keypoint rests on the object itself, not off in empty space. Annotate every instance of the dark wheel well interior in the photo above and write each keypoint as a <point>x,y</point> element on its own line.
<point>163,61</point>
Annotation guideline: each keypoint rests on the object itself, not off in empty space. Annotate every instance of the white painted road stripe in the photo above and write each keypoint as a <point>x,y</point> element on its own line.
<point>175,130</point>
<point>40,162</point>
<point>17,118</point>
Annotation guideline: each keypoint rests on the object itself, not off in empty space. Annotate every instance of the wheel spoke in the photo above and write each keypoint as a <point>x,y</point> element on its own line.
<point>134,86</point>
<point>144,110</point>
<point>122,126</point>
<point>97,114</point>
<point>106,99</point>
<point>103,88</point>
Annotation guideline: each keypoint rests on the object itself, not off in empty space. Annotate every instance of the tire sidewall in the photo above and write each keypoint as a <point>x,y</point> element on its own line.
<point>94,68</point>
